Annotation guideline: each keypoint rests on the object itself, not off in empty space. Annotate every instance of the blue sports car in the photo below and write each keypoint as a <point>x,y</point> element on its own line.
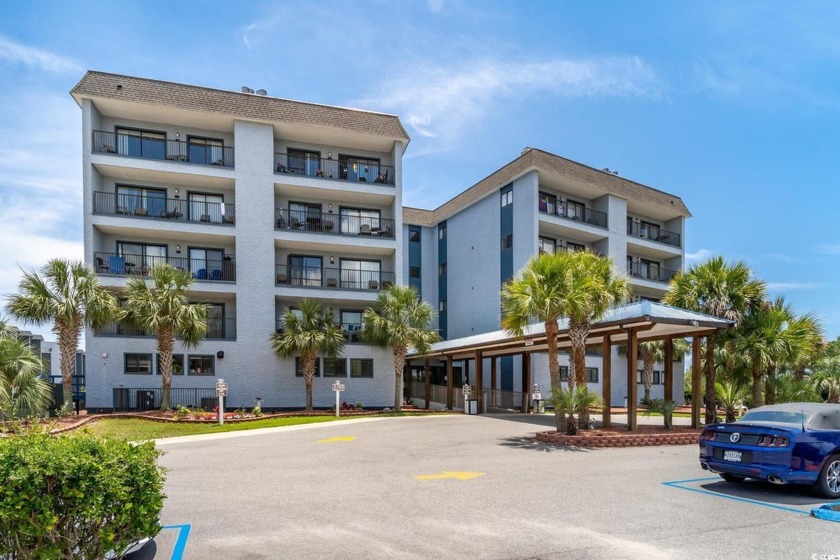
<point>792,443</point>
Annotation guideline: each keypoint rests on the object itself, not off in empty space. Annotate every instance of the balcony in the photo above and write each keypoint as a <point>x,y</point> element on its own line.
<point>146,147</point>
<point>335,278</point>
<point>218,328</point>
<point>652,233</point>
<point>160,208</point>
<point>650,272</point>
<point>350,169</point>
<point>303,220</point>
<point>573,211</point>
<point>352,332</point>
<point>115,264</point>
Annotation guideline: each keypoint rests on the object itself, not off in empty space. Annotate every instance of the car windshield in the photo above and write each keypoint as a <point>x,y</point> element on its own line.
<point>782,416</point>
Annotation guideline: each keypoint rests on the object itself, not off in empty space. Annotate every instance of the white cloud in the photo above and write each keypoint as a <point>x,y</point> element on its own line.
<point>442,100</point>
<point>435,5</point>
<point>829,249</point>
<point>698,256</point>
<point>36,58</point>
<point>785,286</point>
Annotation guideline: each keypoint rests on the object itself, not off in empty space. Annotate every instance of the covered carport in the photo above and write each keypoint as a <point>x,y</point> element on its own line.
<point>626,324</point>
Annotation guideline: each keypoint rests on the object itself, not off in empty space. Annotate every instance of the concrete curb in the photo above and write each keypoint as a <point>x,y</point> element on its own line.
<point>618,440</point>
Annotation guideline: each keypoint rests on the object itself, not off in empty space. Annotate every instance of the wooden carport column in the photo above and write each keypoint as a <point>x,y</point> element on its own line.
<point>606,385</point>
<point>449,383</point>
<point>526,382</point>
<point>669,369</point>
<point>695,382</point>
<point>632,388</point>
<point>479,389</point>
<point>427,378</point>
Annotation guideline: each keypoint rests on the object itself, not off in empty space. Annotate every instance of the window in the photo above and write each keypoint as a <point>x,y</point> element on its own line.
<point>657,378</point>
<point>206,264</point>
<point>548,203</point>
<point>136,258</point>
<point>414,236</point>
<point>575,247</point>
<point>141,143</point>
<point>299,369</point>
<point>361,367</point>
<point>360,275</point>
<point>442,305</point>
<point>442,269</point>
<point>414,272</point>
<point>649,230</point>
<point>140,201</point>
<point>547,245</point>
<point>361,169</point>
<point>507,241</point>
<point>177,364</point>
<point>442,232</point>
<point>360,221</point>
<point>507,198</point>
<point>335,367</point>
<point>206,207</point>
<point>138,364</point>
<point>205,150</point>
<point>351,325</point>
<point>202,365</point>
<point>574,210</point>
<point>303,216</point>
<point>216,320</point>
<point>591,374</point>
<point>304,270</point>
<point>304,162</point>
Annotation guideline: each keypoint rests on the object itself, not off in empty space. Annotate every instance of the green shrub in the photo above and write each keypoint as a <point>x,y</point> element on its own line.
<point>76,497</point>
<point>182,412</point>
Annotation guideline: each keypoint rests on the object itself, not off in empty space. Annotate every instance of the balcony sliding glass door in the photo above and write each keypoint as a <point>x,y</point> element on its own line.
<point>360,275</point>
<point>141,143</point>
<point>141,201</point>
<point>305,270</point>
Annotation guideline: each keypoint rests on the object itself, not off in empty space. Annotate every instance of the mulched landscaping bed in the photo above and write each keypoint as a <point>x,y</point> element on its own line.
<point>644,436</point>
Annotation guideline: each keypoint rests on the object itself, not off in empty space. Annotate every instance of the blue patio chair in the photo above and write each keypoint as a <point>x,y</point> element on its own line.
<point>200,274</point>
<point>215,274</point>
<point>116,264</point>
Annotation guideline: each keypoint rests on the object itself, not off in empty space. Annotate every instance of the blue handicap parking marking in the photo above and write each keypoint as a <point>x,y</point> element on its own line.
<point>169,544</point>
<point>181,542</point>
<point>695,485</point>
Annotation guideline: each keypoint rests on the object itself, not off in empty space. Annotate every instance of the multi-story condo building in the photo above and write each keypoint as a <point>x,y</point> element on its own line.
<point>265,201</point>
<point>460,254</point>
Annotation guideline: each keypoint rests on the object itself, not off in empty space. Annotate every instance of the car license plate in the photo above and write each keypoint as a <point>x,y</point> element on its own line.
<point>734,456</point>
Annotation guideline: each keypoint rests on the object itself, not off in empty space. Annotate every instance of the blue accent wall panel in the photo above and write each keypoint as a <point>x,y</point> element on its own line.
<point>507,373</point>
<point>505,229</point>
<point>442,295</point>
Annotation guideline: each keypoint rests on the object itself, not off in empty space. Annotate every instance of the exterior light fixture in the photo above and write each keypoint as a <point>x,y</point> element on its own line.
<point>104,355</point>
<point>332,260</point>
<point>178,249</point>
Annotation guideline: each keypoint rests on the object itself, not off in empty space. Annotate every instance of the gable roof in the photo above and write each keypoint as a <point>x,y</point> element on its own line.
<point>542,161</point>
<point>243,105</point>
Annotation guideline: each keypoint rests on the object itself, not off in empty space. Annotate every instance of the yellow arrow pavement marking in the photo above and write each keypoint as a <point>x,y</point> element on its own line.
<point>337,438</point>
<point>449,474</point>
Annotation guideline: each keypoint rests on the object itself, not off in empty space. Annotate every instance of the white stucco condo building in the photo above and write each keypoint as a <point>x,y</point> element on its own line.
<point>265,201</point>
<point>461,253</point>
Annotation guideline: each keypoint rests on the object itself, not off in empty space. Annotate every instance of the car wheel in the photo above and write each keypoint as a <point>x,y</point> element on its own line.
<point>828,484</point>
<point>732,477</point>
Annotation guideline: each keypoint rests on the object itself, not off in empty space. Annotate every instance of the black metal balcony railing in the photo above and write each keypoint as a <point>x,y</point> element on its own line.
<point>159,148</point>
<point>573,211</point>
<point>315,277</point>
<point>160,208</point>
<point>657,234</point>
<point>301,220</point>
<point>133,398</point>
<point>218,328</point>
<point>126,264</point>
<point>650,272</point>
<point>340,169</point>
<point>352,332</point>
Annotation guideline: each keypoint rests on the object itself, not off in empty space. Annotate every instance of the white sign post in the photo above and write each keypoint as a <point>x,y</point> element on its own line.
<point>467,391</point>
<point>337,387</point>
<point>221,392</point>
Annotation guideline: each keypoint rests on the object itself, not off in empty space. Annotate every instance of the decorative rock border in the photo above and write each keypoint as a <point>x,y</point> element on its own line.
<point>618,439</point>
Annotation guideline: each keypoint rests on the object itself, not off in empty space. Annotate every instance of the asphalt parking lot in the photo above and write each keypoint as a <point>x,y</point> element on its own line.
<point>465,487</point>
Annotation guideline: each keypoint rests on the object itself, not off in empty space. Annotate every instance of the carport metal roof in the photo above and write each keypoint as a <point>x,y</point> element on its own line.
<point>649,320</point>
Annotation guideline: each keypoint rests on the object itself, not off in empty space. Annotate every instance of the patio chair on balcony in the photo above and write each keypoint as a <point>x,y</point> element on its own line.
<point>332,282</point>
<point>373,285</point>
<point>140,212</point>
<point>205,218</point>
<point>200,274</point>
<point>216,274</point>
<point>101,266</point>
<point>282,278</point>
<point>382,177</point>
<point>364,229</point>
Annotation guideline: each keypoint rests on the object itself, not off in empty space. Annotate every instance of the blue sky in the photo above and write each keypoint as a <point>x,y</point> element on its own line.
<point>733,106</point>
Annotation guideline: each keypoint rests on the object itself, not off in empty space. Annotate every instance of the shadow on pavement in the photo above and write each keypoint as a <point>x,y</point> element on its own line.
<point>148,552</point>
<point>793,495</point>
<point>544,420</point>
<point>527,442</point>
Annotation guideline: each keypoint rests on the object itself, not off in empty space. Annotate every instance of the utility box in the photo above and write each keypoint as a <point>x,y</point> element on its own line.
<point>471,406</point>
<point>538,406</point>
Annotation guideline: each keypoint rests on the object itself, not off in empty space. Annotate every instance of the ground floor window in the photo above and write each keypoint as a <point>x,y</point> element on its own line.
<point>591,374</point>
<point>361,367</point>
<point>658,377</point>
<point>177,364</point>
<point>202,365</point>
<point>299,367</point>
<point>138,364</point>
<point>335,367</point>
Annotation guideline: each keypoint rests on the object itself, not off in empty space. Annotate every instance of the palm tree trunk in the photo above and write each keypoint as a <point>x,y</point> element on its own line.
<point>68,339</point>
<point>711,415</point>
<point>770,387</point>
<point>577,335</point>
<point>553,373</point>
<point>399,365</point>
<point>757,393</point>
<point>308,365</point>
<point>647,378</point>
<point>166,345</point>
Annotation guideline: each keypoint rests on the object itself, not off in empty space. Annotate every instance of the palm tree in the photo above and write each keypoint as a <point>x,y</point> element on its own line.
<point>727,291</point>
<point>652,353</point>
<point>308,331</point>
<point>827,378</point>
<point>21,388</point>
<point>577,399</point>
<point>731,396</point>
<point>68,294</point>
<point>162,307</point>
<point>399,320</point>
<point>579,286</point>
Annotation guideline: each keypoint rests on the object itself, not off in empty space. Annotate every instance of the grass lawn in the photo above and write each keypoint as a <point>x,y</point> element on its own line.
<point>134,429</point>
